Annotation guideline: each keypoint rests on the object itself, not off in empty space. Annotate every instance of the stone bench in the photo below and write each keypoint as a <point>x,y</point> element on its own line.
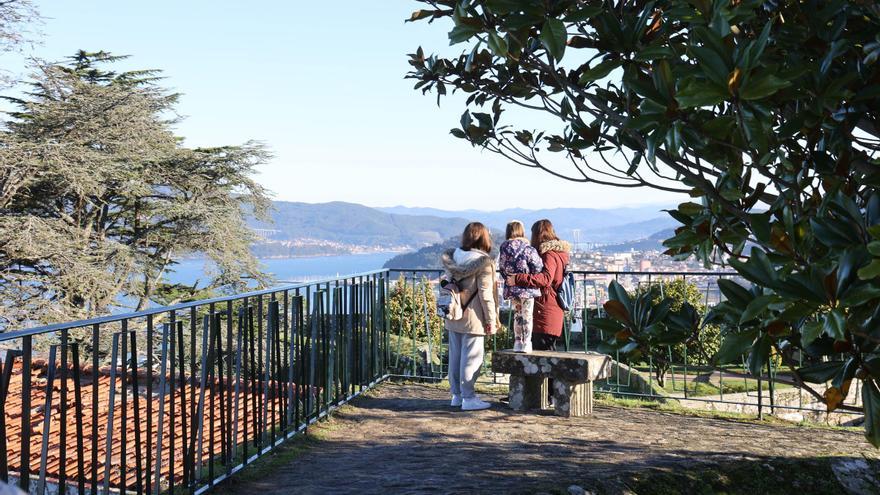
<point>573,374</point>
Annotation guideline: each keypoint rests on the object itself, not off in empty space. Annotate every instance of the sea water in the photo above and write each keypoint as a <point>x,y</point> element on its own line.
<point>190,271</point>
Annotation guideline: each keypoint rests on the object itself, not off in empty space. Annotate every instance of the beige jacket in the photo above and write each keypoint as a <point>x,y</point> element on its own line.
<point>474,271</point>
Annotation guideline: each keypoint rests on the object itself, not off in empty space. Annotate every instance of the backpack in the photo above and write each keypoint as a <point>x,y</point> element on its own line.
<point>565,291</point>
<point>449,306</point>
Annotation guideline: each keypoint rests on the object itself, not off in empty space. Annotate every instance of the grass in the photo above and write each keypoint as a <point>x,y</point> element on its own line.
<point>729,386</point>
<point>774,476</point>
<point>606,399</point>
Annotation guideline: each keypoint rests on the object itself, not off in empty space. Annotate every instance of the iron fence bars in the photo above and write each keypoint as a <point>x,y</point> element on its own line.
<point>175,399</point>
<point>691,378</point>
<point>4,389</point>
<point>78,411</point>
<point>47,420</point>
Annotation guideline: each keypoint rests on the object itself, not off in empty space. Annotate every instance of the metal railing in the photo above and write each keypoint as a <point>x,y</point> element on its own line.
<point>691,378</point>
<point>175,399</point>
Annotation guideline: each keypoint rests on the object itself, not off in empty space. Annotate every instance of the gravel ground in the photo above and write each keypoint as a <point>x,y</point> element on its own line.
<point>404,438</point>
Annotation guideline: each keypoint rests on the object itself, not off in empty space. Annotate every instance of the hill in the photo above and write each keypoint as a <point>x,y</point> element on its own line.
<point>654,242</point>
<point>356,224</point>
<point>428,257</point>
<point>613,225</point>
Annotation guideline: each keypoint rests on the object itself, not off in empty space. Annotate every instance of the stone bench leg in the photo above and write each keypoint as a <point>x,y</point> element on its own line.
<point>525,392</point>
<point>572,399</point>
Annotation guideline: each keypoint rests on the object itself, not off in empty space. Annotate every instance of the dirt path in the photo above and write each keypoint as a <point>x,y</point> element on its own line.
<point>406,439</point>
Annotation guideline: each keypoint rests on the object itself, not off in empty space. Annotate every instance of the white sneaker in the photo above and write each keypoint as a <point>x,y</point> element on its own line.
<point>527,348</point>
<point>518,346</point>
<point>474,404</point>
<point>456,400</point>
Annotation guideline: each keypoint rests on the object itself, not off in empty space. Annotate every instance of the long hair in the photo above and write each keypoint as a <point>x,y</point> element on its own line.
<point>476,236</point>
<point>515,229</point>
<point>542,231</point>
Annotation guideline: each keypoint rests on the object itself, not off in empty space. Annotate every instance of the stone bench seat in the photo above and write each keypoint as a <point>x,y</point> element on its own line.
<point>573,374</point>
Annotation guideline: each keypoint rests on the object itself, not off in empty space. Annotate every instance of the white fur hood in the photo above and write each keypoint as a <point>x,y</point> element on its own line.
<point>461,264</point>
<point>555,245</point>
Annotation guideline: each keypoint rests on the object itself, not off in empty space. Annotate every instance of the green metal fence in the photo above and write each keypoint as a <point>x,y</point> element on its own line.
<point>175,399</point>
<point>690,379</point>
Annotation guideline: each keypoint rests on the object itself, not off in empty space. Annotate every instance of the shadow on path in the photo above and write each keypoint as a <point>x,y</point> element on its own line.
<point>406,439</point>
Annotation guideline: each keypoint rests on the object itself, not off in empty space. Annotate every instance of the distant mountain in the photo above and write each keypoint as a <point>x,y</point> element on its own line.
<point>428,257</point>
<point>611,225</point>
<point>351,223</point>
<point>654,242</point>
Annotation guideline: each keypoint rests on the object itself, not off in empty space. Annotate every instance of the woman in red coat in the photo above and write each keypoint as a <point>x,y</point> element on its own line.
<point>548,316</point>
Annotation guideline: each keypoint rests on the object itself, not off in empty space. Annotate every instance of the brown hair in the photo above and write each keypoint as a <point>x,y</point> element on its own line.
<point>542,231</point>
<point>515,229</point>
<point>476,236</point>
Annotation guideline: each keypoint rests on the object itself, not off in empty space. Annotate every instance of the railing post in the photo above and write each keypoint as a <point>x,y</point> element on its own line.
<point>163,368</point>
<point>47,419</point>
<point>111,409</point>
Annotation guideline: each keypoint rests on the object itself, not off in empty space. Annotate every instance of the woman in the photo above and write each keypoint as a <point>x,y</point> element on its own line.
<point>474,271</point>
<point>518,256</point>
<point>548,317</point>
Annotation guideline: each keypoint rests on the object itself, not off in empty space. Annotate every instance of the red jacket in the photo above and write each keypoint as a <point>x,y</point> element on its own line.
<point>548,315</point>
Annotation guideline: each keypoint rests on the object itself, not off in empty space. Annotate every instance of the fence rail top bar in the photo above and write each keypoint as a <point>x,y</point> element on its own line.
<point>588,272</point>
<point>164,309</point>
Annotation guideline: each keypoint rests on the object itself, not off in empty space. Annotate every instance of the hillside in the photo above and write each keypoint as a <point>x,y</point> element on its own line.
<point>654,242</point>
<point>351,223</point>
<point>428,257</point>
<point>613,225</point>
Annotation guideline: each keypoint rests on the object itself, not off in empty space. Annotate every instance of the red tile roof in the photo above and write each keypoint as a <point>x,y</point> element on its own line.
<point>13,411</point>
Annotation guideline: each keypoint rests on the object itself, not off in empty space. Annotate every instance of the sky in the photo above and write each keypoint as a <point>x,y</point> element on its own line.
<point>321,85</point>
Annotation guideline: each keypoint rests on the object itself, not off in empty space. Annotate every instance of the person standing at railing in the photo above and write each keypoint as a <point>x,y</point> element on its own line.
<point>518,256</point>
<point>474,272</point>
<point>548,317</point>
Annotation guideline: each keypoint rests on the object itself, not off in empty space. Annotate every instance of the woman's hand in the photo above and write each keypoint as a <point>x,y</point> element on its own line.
<point>510,281</point>
<point>490,329</point>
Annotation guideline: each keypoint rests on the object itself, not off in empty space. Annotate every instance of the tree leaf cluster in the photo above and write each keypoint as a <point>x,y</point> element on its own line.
<point>99,198</point>
<point>766,113</point>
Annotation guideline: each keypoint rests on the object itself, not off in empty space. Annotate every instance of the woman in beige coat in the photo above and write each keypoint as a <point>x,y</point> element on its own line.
<point>474,270</point>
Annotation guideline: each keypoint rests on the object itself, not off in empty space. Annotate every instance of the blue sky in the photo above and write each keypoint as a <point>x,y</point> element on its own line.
<point>321,84</point>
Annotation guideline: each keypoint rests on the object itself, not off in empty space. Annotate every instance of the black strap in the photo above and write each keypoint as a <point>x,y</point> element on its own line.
<point>470,299</point>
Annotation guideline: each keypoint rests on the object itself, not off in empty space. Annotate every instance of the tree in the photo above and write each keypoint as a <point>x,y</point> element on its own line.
<point>701,346</point>
<point>18,19</point>
<point>766,113</point>
<point>410,305</point>
<point>646,325</point>
<point>98,197</point>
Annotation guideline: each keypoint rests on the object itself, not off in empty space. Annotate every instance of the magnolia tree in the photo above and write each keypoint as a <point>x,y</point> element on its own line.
<point>766,113</point>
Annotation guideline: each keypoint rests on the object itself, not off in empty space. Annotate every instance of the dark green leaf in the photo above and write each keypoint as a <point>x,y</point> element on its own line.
<point>697,93</point>
<point>736,294</point>
<point>871,271</point>
<point>757,306</point>
<point>734,346</point>
<point>834,324</point>
<point>553,36</point>
<point>759,355</point>
<point>810,332</point>
<point>497,44</point>
<point>820,373</point>
<point>598,72</point>
<point>762,86</point>
<point>585,13</point>
<point>871,400</point>
<point>462,32</point>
